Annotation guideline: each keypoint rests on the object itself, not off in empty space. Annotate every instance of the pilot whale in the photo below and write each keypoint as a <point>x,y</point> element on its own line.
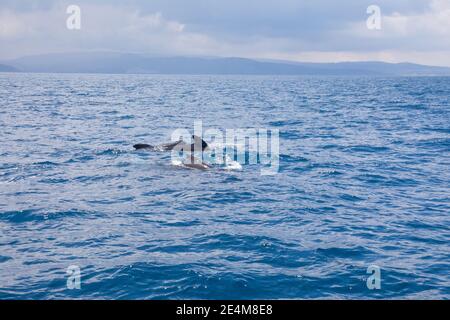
<point>198,145</point>
<point>195,163</point>
<point>181,146</point>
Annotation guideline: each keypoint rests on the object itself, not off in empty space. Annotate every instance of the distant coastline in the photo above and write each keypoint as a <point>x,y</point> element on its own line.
<point>7,68</point>
<point>128,63</point>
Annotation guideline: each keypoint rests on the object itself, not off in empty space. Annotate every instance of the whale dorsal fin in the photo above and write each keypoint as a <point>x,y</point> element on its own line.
<point>199,141</point>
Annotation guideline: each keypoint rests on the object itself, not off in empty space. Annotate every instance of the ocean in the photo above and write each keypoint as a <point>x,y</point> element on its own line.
<point>363,184</point>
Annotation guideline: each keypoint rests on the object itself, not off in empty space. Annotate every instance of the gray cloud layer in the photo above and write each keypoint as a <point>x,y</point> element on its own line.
<point>412,30</point>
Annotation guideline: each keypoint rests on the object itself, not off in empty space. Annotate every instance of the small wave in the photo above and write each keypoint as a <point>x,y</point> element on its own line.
<point>292,159</point>
<point>37,215</point>
<point>46,163</point>
<point>367,148</point>
<point>282,123</point>
<point>4,259</point>
<point>233,165</point>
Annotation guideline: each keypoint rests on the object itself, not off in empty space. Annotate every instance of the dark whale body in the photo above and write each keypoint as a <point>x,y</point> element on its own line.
<point>180,145</point>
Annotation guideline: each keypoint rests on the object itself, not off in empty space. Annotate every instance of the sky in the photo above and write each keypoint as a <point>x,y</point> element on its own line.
<point>301,30</point>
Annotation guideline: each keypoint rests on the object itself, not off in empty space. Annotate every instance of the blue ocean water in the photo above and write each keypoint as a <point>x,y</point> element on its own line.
<point>363,180</point>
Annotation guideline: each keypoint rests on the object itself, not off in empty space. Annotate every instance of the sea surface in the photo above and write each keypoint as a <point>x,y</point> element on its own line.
<point>363,182</point>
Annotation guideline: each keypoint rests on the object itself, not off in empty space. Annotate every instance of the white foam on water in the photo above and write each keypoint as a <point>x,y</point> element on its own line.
<point>177,163</point>
<point>233,165</point>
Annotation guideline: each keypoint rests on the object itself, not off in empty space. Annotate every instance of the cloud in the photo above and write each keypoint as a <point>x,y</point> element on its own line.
<point>425,31</point>
<point>137,23</point>
<point>104,27</point>
<point>435,22</point>
<point>412,30</point>
<point>10,26</point>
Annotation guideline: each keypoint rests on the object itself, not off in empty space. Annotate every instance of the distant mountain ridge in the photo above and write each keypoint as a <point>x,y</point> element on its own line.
<point>6,68</point>
<point>124,63</point>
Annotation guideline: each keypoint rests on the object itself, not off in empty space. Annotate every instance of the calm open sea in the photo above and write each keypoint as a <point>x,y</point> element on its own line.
<point>364,179</point>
